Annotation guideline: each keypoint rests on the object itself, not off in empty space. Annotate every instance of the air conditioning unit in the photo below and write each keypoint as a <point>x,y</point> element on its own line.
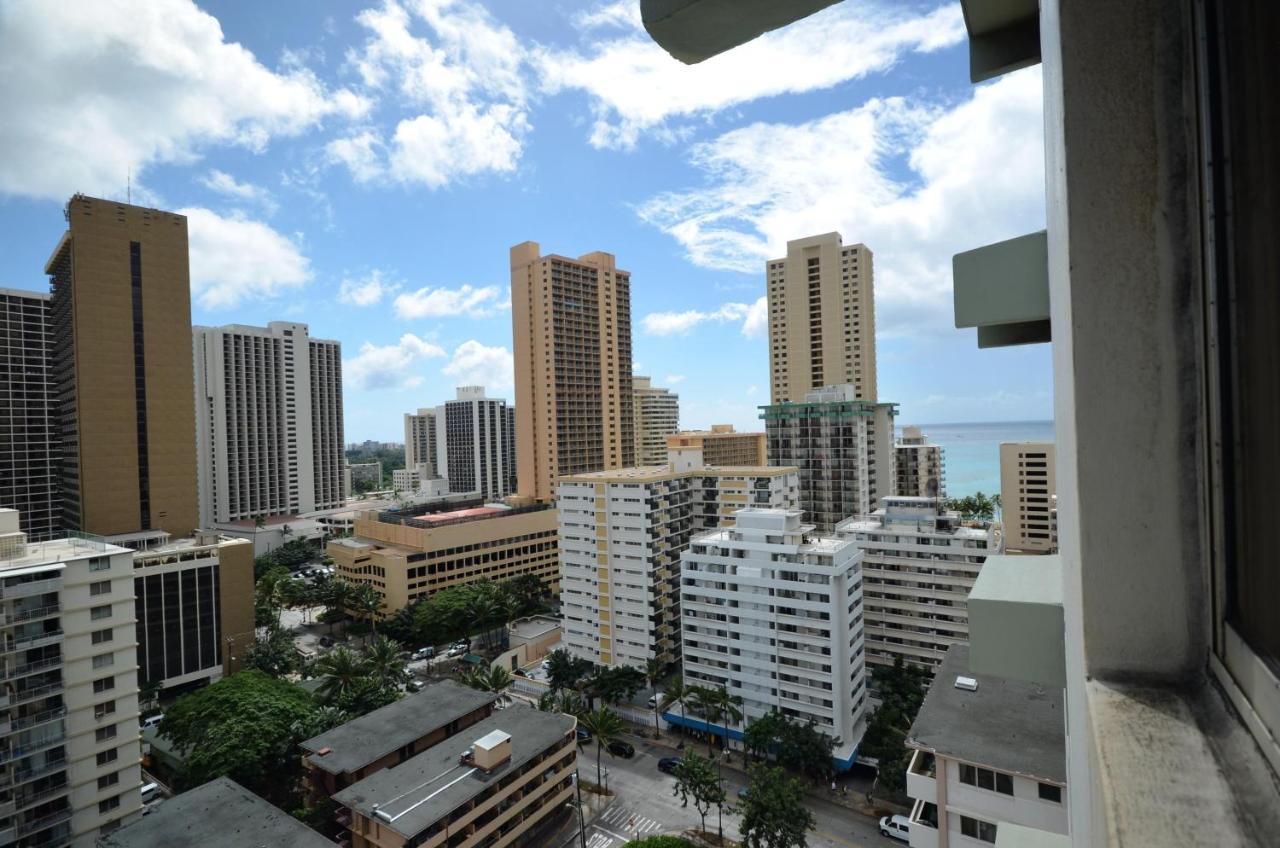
<point>968,684</point>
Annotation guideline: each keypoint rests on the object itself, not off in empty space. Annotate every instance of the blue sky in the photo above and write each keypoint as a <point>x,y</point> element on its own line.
<point>364,167</point>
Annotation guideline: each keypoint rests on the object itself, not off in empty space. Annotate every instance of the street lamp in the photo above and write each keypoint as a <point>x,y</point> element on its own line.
<point>582,823</point>
<point>720,806</point>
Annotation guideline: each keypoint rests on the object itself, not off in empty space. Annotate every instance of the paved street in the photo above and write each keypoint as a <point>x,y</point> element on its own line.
<point>645,805</point>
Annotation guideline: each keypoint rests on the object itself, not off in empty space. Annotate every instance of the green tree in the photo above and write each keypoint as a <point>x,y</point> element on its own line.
<point>339,671</point>
<point>975,507</point>
<point>247,727</point>
<point>382,658</point>
<point>564,701</point>
<point>365,603</point>
<point>653,672</point>
<point>761,737</point>
<point>336,598</point>
<point>606,726</point>
<point>659,841</point>
<point>493,679</point>
<point>773,813</point>
<point>528,590</point>
<point>804,749</point>
<point>273,653</point>
<point>697,781</point>
<point>677,694</point>
<point>718,707</point>
<point>564,670</point>
<point>902,689</point>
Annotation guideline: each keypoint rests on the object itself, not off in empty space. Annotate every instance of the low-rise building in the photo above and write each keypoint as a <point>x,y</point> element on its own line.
<point>489,785</point>
<point>920,563</point>
<point>362,476</point>
<point>918,465</point>
<point>989,754</point>
<point>410,553</point>
<point>621,536</point>
<point>773,613</point>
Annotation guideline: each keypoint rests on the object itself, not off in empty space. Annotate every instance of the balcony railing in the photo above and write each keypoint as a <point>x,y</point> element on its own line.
<point>37,719</point>
<point>43,822</point>
<point>25,775</point>
<point>34,613</point>
<point>29,668</point>
<point>34,587</point>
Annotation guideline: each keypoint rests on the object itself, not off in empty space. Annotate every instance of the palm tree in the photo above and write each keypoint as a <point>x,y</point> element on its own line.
<point>653,670</point>
<point>730,710</point>
<point>606,726</point>
<point>338,596</point>
<point>366,602</point>
<point>493,679</point>
<point>382,657</point>
<point>677,694</point>
<point>342,670</point>
<point>482,608</point>
<point>717,705</point>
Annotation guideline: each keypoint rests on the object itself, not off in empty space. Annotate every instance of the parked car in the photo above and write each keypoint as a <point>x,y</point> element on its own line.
<point>326,641</point>
<point>656,699</point>
<point>668,764</point>
<point>424,653</point>
<point>743,793</point>
<point>622,749</point>
<point>584,736</point>
<point>152,721</point>
<point>413,686</point>
<point>150,792</point>
<point>899,827</point>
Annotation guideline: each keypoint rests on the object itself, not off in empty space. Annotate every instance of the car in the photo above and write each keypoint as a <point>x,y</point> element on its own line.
<point>413,686</point>
<point>456,651</point>
<point>668,764</point>
<point>743,793</point>
<point>584,736</point>
<point>622,749</point>
<point>152,721</point>
<point>655,699</point>
<point>424,653</point>
<point>899,827</point>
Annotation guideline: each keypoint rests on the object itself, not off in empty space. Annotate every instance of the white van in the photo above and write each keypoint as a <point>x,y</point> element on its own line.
<point>150,792</point>
<point>898,827</point>
<point>152,721</point>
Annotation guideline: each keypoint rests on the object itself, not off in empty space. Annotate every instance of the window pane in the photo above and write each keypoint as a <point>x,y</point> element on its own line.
<point>1004,783</point>
<point>967,776</point>
<point>986,779</point>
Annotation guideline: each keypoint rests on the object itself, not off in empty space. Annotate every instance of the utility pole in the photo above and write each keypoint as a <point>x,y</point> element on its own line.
<point>582,821</point>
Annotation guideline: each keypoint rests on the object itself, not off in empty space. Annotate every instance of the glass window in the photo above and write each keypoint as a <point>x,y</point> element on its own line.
<point>978,829</point>
<point>1049,792</point>
<point>109,780</point>
<point>968,775</point>
<point>104,660</point>
<point>109,804</point>
<point>108,756</point>
<point>100,564</point>
<point>106,708</point>
<point>102,734</point>
<point>1004,783</point>
<point>100,636</point>
<point>99,613</point>
<point>101,587</point>
<point>986,779</point>
<point>104,684</point>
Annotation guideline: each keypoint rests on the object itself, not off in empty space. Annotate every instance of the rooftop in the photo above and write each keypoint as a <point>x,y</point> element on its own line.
<point>533,626</point>
<point>419,792</point>
<point>654,473</point>
<point>217,814</point>
<point>77,546</point>
<point>362,741</point>
<point>1004,724</point>
<point>473,512</point>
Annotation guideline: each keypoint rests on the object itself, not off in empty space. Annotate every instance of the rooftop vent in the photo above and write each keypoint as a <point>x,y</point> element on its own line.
<point>968,684</point>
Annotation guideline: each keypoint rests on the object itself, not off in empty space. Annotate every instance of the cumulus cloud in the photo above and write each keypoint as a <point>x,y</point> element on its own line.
<point>475,364</point>
<point>461,72</point>
<point>754,318</point>
<point>93,90</point>
<point>634,86</point>
<point>929,179</point>
<point>367,290</point>
<point>389,366</point>
<point>673,379</point>
<point>228,186</point>
<point>235,258</point>
<point>471,301</point>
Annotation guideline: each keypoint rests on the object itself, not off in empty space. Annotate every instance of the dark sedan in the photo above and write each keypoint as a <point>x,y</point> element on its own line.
<point>668,764</point>
<point>622,749</point>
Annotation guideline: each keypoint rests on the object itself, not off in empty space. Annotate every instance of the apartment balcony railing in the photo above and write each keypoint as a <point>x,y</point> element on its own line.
<point>25,775</point>
<point>41,823</point>
<point>17,671</point>
<point>19,751</point>
<point>23,696</point>
<point>40,718</point>
<point>34,587</point>
<point>31,614</point>
<point>33,640</point>
<point>22,801</point>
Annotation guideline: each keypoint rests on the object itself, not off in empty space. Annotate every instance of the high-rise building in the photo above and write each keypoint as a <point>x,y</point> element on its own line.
<point>122,362</point>
<point>920,562</point>
<point>621,536</point>
<point>571,322</point>
<point>260,452</point>
<point>420,440</point>
<point>70,757</point>
<point>773,613</point>
<point>822,329</point>
<point>363,476</point>
<point>1029,496</point>
<point>721,445</point>
<point>843,448</point>
<point>29,447</point>
<point>657,413</point>
<point>918,466</point>
<point>473,447</point>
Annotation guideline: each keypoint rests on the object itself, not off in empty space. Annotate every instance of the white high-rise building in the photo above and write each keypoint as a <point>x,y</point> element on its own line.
<point>657,412</point>
<point>69,743</point>
<point>420,440</point>
<point>474,449</point>
<point>773,613</point>
<point>918,466</point>
<point>268,422</point>
<point>920,563</point>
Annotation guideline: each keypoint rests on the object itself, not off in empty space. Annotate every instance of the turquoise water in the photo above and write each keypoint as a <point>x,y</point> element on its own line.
<point>972,451</point>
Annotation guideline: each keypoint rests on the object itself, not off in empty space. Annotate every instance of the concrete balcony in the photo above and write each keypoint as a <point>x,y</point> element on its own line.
<point>1016,627</point>
<point>35,587</point>
<point>924,825</point>
<point>922,781</point>
<point>1002,289</point>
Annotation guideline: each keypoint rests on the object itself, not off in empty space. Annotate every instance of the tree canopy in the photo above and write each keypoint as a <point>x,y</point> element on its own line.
<point>902,689</point>
<point>697,781</point>
<point>975,507</point>
<point>773,812</point>
<point>801,748</point>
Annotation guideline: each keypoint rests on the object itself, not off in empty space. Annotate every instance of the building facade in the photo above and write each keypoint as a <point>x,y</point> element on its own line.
<point>822,329</point>
<point>773,613</point>
<point>122,363</point>
<point>30,451</point>
<point>621,536</point>
<point>920,562</point>
<point>473,447</point>
<point>843,447</point>
<point>70,743</point>
<point>571,323</point>
<point>1029,496</point>
<point>363,476</point>
<point>260,454</point>
<point>412,553</point>
<point>420,440</point>
<point>657,413</point>
<point>329,459</point>
<point>721,445</point>
<point>918,466</point>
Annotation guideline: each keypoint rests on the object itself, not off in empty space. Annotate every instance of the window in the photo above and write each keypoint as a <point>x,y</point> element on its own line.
<point>977,829</point>
<point>109,756</point>
<point>106,708</point>
<point>104,660</point>
<point>109,780</point>
<point>101,587</point>
<point>109,804</point>
<point>100,636</point>
<point>102,734</point>
<point>103,684</point>
<point>99,613</point>
<point>100,564</point>
<point>1049,792</point>
<point>992,781</point>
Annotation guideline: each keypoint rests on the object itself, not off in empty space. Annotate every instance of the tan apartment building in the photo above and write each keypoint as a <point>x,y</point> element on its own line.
<point>412,553</point>
<point>571,327</point>
<point>490,785</point>
<point>822,328</point>
<point>122,362</point>
<point>420,440</point>
<point>657,412</point>
<point>918,466</point>
<point>720,445</point>
<point>1028,496</point>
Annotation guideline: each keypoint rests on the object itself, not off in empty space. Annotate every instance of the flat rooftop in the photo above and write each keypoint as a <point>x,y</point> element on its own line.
<point>665,472</point>
<point>59,550</point>
<point>534,626</point>
<point>374,735</point>
<point>473,512</point>
<point>1007,725</point>
<point>218,814</point>
<point>419,792</point>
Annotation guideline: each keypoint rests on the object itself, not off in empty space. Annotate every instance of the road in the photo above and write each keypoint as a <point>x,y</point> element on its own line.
<point>645,805</point>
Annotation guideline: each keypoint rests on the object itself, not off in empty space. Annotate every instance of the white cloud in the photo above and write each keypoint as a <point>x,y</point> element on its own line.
<point>367,290</point>
<point>225,184</point>
<point>672,379</point>
<point>235,258</point>
<point>929,179</point>
<point>471,301</point>
<point>475,364</point>
<point>634,86</point>
<point>93,90</point>
<point>680,323</point>
<point>619,13</point>
<point>461,72</point>
<point>389,366</point>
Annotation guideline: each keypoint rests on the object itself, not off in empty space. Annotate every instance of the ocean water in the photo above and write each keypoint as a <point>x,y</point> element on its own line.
<point>972,451</point>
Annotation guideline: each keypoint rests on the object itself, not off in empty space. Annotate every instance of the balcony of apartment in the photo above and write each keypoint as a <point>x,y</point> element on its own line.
<point>30,588</point>
<point>42,689</point>
<point>42,822</point>
<point>13,672</point>
<point>924,824</point>
<point>38,767</point>
<point>922,779</point>
<point>19,614</point>
<point>26,640</point>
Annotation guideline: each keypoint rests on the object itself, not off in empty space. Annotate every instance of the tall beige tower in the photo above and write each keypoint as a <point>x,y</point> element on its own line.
<point>657,416</point>
<point>822,327</point>
<point>571,326</point>
<point>123,366</point>
<point>1028,496</point>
